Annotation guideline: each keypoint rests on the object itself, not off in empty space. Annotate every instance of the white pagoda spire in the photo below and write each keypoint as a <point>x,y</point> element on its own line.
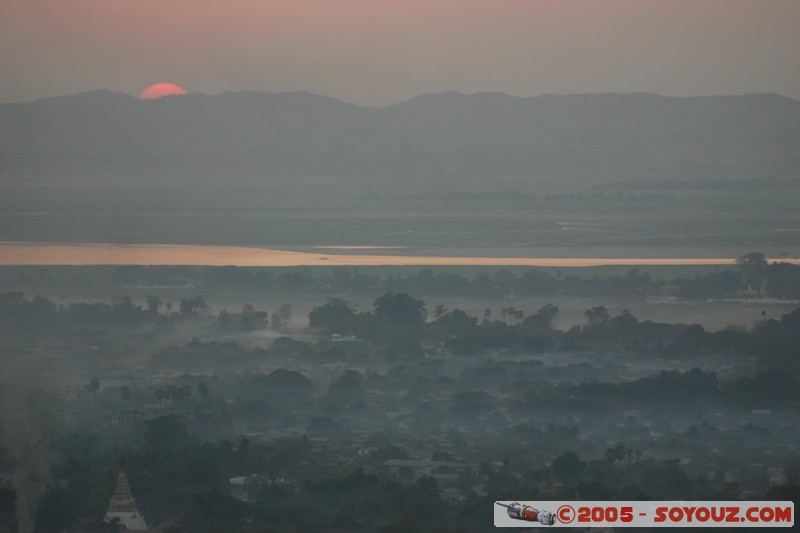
<point>122,505</point>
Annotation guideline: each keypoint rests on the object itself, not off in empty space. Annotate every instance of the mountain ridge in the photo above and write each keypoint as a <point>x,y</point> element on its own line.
<point>446,135</point>
<point>416,97</point>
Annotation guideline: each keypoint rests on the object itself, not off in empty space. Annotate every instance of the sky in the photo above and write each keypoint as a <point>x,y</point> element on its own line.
<point>379,52</point>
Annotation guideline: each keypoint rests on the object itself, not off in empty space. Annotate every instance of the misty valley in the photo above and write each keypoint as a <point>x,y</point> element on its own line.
<point>390,398</point>
<point>267,312</point>
<point>399,266</point>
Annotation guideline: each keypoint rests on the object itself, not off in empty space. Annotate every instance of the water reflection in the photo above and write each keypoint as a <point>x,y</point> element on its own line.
<point>173,254</point>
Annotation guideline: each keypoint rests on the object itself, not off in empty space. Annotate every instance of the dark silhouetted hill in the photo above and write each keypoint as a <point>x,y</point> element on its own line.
<point>104,136</point>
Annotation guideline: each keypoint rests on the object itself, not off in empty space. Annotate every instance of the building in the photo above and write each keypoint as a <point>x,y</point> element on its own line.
<point>122,506</point>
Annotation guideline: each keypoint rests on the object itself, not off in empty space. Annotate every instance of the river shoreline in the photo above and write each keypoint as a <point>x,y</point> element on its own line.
<point>82,254</point>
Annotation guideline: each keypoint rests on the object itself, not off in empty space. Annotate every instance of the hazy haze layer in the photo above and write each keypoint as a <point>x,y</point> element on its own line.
<point>378,53</point>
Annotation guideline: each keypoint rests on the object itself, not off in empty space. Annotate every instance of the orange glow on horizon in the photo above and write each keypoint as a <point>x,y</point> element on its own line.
<point>178,254</point>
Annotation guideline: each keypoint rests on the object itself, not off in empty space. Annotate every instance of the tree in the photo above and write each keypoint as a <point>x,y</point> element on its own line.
<point>543,319</point>
<point>13,297</point>
<point>568,466</point>
<point>348,389</point>
<point>42,313</point>
<point>783,280</point>
<point>454,323</point>
<point>203,390</point>
<point>166,432</point>
<point>252,320</point>
<point>611,455</point>
<point>537,281</point>
<point>624,321</point>
<point>617,453</point>
<point>400,309</point>
<point>336,316</point>
<point>225,320</point>
<point>596,316</point>
<point>154,303</point>
<point>126,313</point>
<point>548,314</point>
<point>93,386</point>
<point>192,307</point>
<point>754,268</point>
<point>282,316</point>
<point>513,313</point>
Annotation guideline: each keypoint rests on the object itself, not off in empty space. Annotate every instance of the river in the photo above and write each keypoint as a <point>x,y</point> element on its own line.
<point>175,254</point>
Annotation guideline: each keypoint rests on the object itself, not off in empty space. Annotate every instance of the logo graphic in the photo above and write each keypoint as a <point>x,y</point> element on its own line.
<point>528,513</point>
<point>639,514</point>
<point>565,514</point>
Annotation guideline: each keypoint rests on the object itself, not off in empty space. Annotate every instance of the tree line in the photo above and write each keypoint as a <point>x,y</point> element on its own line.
<point>753,272</point>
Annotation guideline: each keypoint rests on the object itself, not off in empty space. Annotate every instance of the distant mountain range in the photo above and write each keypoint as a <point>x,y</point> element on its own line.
<point>102,136</point>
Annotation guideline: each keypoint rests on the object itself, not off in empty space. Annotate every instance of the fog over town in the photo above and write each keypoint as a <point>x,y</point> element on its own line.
<point>326,301</point>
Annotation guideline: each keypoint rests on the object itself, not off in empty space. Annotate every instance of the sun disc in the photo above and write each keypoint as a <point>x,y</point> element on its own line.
<point>158,90</point>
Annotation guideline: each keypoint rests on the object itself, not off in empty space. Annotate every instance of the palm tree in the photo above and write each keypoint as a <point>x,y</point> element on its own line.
<point>611,455</point>
<point>93,386</point>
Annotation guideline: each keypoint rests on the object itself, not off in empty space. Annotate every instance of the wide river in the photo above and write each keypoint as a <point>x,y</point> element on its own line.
<point>174,254</point>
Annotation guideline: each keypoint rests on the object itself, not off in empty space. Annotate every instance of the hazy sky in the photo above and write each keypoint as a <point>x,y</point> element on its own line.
<point>377,52</point>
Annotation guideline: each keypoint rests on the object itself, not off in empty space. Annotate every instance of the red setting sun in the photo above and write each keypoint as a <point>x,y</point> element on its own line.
<point>158,90</point>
